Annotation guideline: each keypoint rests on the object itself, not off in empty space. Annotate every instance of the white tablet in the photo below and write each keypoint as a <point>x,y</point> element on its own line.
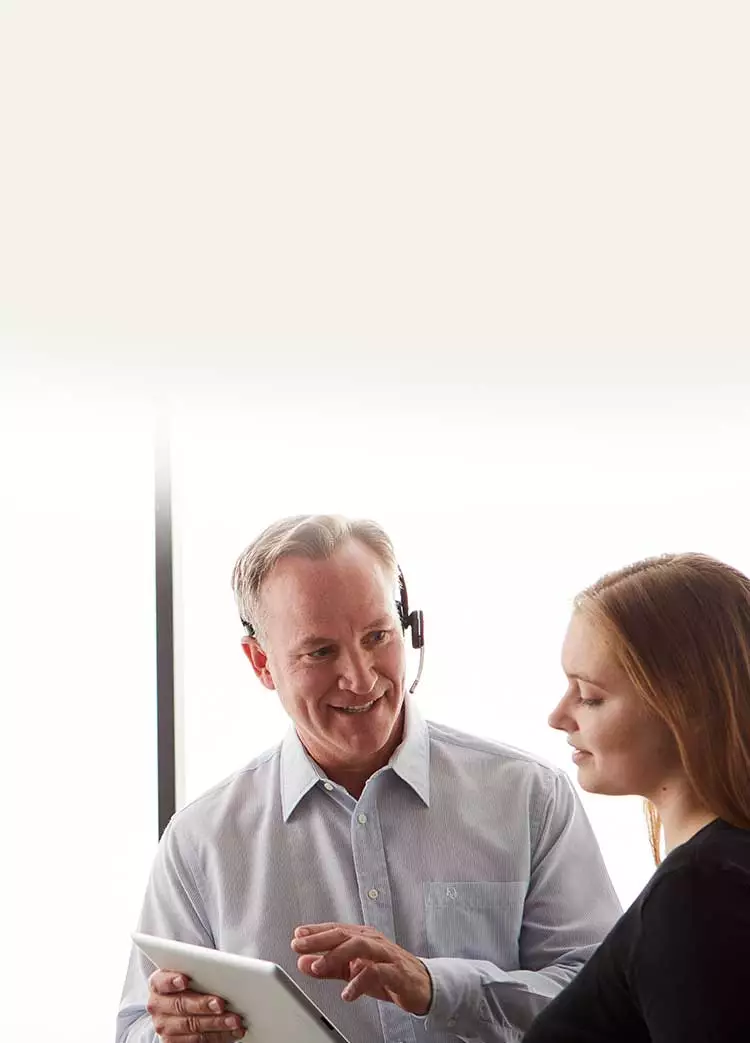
<point>274,1008</point>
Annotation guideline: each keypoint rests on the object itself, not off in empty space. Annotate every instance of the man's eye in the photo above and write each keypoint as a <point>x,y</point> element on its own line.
<point>378,636</point>
<point>320,653</point>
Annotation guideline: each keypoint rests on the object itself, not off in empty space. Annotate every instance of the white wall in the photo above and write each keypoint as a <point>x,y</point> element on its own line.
<point>77,676</point>
<point>178,179</point>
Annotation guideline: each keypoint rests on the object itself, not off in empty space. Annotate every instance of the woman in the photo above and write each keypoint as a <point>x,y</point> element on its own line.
<point>658,703</point>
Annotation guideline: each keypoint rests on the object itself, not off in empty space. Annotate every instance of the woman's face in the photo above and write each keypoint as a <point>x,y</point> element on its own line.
<point>620,746</point>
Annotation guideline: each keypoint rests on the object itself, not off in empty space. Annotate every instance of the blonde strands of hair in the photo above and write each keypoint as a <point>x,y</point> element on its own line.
<point>315,536</point>
<point>653,825</point>
<point>680,625</point>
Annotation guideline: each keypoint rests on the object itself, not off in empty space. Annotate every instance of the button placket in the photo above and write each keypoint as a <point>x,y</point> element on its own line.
<point>370,864</point>
<point>375,896</point>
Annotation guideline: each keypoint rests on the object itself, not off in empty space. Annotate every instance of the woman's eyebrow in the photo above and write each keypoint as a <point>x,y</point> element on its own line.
<point>576,675</point>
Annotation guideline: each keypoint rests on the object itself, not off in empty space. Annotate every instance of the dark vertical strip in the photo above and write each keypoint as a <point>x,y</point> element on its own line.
<point>165,714</point>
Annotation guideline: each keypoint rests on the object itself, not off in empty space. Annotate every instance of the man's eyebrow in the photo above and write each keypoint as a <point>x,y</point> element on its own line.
<point>313,641</point>
<point>381,621</point>
<point>317,641</point>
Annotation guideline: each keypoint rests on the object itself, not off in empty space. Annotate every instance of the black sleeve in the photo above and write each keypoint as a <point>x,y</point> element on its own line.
<point>691,966</point>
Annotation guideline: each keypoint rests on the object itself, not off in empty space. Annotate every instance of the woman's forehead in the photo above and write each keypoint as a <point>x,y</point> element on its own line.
<point>588,651</point>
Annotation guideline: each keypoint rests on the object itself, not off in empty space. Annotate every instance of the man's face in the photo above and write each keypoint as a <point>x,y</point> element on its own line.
<point>334,651</point>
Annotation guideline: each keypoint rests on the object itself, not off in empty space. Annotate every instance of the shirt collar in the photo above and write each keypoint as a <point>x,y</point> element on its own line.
<point>299,773</point>
<point>411,762</point>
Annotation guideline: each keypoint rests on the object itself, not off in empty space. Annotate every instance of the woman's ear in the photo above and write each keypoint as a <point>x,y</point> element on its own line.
<point>258,661</point>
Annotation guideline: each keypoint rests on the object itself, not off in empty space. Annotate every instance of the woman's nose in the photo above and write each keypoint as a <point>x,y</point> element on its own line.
<point>560,718</point>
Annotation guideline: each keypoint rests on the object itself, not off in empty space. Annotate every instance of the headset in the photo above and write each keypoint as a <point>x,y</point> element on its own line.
<point>413,621</point>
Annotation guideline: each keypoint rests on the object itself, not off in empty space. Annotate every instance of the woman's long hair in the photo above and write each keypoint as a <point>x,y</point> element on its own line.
<point>681,630</point>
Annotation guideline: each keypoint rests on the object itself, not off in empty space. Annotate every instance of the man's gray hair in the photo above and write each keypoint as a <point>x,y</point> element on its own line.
<point>315,536</point>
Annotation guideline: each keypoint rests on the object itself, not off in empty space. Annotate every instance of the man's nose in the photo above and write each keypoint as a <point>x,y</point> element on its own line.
<point>357,673</point>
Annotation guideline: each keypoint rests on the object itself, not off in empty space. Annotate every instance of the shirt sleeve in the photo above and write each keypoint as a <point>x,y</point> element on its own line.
<point>173,908</point>
<point>691,966</point>
<point>569,908</point>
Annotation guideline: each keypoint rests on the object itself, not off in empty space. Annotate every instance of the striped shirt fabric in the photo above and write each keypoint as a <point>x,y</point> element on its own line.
<point>474,856</point>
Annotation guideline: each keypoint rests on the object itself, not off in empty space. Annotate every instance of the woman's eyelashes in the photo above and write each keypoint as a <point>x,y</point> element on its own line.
<point>587,697</point>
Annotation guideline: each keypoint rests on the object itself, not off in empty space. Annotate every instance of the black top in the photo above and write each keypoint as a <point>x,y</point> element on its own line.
<point>675,968</point>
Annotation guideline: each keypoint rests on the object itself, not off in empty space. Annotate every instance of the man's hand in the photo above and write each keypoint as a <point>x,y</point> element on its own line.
<point>182,1016</point>
<point>371,964</point>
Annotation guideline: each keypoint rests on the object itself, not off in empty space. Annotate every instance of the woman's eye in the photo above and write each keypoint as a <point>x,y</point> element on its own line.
<point>590,702</point>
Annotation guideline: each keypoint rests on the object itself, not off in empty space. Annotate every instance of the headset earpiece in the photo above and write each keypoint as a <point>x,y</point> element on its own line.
<point>413,620</point>
<point>416,622</point>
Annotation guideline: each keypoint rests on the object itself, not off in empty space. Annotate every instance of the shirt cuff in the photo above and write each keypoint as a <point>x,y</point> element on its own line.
<point>458,1003</point>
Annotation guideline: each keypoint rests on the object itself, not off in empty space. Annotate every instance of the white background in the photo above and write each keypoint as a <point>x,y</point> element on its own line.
<point>478,270</point>
<point>78,683</point>
<point>510,504</point>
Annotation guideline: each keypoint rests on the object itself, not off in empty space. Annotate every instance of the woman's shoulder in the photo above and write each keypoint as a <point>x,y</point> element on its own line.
<point>717,846</point>
<point>711,870</point>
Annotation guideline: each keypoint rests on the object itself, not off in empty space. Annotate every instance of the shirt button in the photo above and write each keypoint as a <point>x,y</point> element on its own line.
<point>361,818</point>
<point>328,786</point>
<point>372,893</point>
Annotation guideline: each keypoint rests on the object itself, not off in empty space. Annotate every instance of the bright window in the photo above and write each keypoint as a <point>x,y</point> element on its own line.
<point>501,510</point>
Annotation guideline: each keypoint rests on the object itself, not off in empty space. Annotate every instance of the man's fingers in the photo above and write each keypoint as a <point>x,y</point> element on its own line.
<point>314,928</point>
<point>195,1024</point>
<point>206,1037</point>
<point>184,1003</point>
<point>365,981</point>
<point>167,982</point>
<point>304,963</point>
<point>321,941</point>
<point>335,963</point>
<point>304,930</point>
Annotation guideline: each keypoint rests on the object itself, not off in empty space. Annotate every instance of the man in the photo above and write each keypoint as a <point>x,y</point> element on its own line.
<point>454,884</point>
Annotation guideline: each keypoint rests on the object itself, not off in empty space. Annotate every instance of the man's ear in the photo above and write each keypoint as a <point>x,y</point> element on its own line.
<point>258,661</point>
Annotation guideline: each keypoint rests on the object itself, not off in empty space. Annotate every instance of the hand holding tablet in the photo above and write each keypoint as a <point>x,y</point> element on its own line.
<point>178,1011</point>
<point>272,1008</point>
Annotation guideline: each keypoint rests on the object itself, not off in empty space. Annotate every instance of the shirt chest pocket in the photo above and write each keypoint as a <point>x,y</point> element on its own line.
<point>475,920</point>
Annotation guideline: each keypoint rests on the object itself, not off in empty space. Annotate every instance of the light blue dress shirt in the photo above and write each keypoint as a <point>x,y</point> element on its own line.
<point>472,855</point>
